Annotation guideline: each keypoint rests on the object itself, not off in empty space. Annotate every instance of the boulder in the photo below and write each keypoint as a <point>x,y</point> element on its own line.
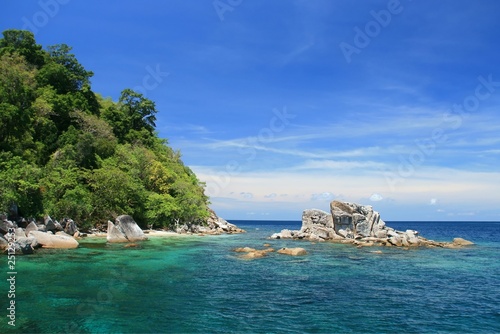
<point>381,234</point>
<point>244,249</point>
<point>6,225</point>
<point>411,237</point>
<point>69,226</point>
<point>19,233</point>
<point>22,222</point>
<point>125,229</point>
<point>47,240</point>
<point>31,227</point>
<point>252,253</point>
<point>322,232</point>
<point>26,245</point>
<point>462,242</point>
<point>315,217</point>
<point>4,244</point>
<point>293,251</point>
<point>286,234</point>
<point>49,224</point>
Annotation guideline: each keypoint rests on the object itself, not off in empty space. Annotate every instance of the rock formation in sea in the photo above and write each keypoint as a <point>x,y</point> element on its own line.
<point>359,225</point>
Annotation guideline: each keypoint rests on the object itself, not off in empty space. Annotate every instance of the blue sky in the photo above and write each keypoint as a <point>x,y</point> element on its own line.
<point>281,106</point>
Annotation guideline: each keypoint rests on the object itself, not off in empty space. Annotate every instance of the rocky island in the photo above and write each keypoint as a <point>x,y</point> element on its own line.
<point>359,225</point>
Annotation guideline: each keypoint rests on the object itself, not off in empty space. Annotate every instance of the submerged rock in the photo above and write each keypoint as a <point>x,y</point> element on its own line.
<point>252,253</point>
<point>293,251</point>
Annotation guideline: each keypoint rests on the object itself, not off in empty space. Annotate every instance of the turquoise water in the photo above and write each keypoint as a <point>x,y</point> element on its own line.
<point>198,285</point>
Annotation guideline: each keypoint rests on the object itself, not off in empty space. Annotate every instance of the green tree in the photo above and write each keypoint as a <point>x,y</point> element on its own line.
<point>133,119</point>
<point>17,92</point>
<point>19,183</point>
<point>68,152</point>
<point>23,43</point>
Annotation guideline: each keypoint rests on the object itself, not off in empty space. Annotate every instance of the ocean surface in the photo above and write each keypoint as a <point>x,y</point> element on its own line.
<point>199,285</point>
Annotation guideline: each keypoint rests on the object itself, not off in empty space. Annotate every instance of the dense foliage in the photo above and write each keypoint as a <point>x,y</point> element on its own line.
<point>68,152</point>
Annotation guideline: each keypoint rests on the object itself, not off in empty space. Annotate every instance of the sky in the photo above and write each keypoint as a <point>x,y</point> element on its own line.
<point>281,106</point>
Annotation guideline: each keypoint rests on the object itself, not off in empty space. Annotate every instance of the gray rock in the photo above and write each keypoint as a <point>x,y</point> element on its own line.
<point>411,237</point>
<point>70,226</point>
<point>20,233</point>
<point>49,224</point>
<point>322,232</point>
<point>4,244</point>
<point>48,240</point>
<point>363,228</point>
<point>26,245</point>
<point>286,234</point>
<point>6,225</point>
<point>462,242</point>
<point>125,229</point>
<point>315,217</point>
<point>357,224</point>
<point>395,240</point>
<point>342,233</point>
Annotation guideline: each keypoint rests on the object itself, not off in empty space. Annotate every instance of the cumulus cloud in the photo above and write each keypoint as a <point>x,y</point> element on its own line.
<point>272,195</point>
<point>433,201</point>
<point>246,195</point>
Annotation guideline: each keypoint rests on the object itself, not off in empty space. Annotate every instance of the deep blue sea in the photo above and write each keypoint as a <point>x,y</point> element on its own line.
<point>199,285</point>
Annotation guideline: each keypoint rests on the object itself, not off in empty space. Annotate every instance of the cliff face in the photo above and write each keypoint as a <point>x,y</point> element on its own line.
<point>357,224</point>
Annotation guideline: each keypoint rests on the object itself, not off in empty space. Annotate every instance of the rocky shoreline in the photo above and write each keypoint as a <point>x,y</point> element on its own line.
<point>359,225</point>
<point>24,237</point>
<point>348,223</point>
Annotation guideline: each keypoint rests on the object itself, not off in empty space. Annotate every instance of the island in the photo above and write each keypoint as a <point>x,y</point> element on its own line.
<point>359,225</point>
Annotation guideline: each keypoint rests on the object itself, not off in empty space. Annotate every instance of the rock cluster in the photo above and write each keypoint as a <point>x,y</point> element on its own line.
<point>215,225</point>
<point>359,225</point>
<point>24,237</point>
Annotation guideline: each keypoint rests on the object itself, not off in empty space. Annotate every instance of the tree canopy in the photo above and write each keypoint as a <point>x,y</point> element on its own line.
<point>68,152</point>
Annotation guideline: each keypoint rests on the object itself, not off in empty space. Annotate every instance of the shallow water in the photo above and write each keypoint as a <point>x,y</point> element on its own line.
<point>198,285</point>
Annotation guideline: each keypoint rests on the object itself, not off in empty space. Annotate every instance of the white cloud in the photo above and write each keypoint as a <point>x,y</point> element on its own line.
<point>305,188</point>
<point>376,197</point>
<point>433,201</point>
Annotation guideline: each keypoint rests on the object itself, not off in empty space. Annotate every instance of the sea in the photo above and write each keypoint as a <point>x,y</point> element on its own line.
<point>195,284</point>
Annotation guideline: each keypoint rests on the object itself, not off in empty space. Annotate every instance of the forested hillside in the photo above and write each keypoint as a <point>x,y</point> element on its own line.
<point>68,152</point>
